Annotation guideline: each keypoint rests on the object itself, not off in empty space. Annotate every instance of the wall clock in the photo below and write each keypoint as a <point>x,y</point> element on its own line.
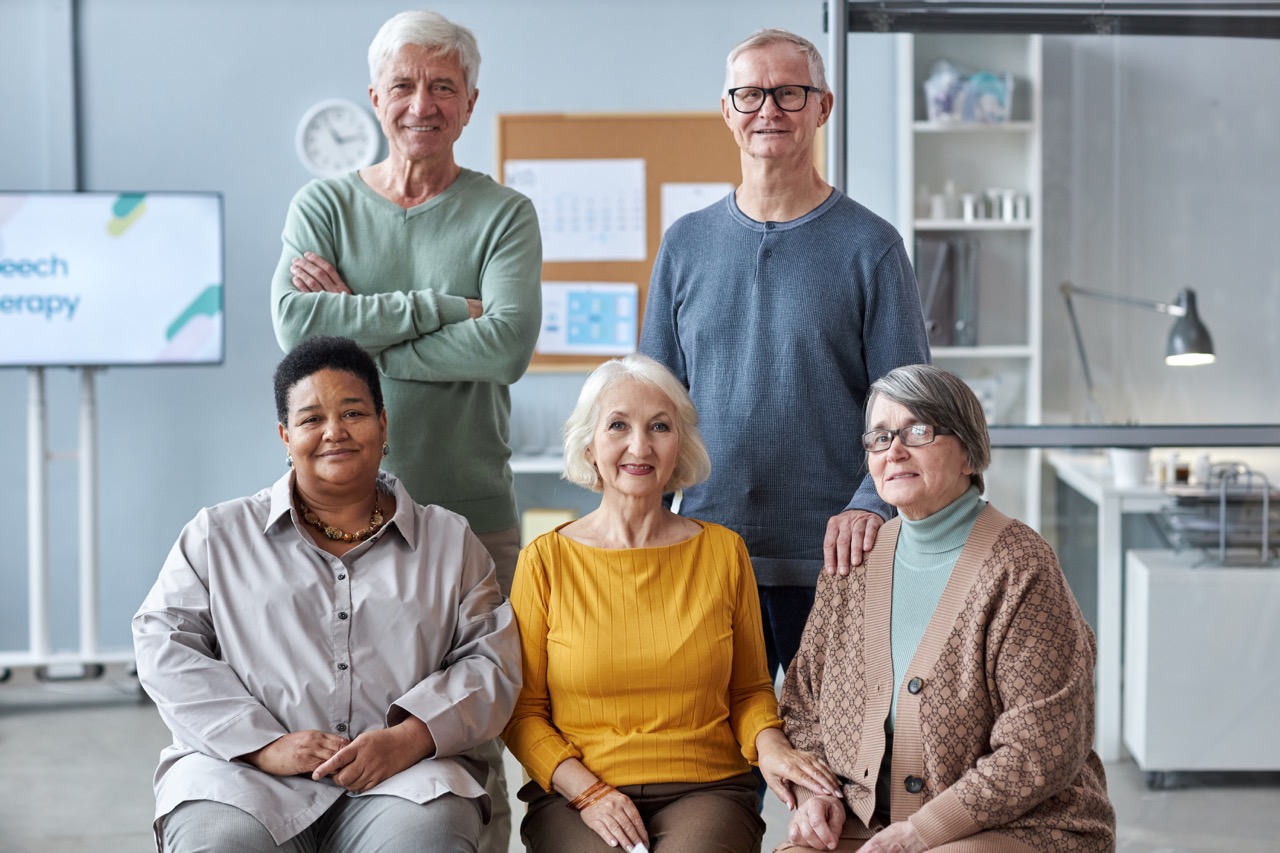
<point>337,136</point>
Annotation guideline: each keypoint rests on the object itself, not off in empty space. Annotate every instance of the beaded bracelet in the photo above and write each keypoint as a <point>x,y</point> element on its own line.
<point>595,791</point>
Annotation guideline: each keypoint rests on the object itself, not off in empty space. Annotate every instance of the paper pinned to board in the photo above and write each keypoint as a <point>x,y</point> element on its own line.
<point>588,318</point>
<point>588,210</point>
<point>681,198</point>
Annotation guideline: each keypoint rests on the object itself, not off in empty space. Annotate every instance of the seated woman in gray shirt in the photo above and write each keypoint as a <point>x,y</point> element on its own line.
<point>326,650</point>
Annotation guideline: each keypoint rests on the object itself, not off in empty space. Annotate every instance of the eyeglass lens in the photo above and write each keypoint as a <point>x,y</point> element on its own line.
<point>749,99</point>
<point>915,435</point>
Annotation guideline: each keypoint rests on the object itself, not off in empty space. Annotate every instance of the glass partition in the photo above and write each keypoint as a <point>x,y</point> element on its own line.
<point>1127,151</point>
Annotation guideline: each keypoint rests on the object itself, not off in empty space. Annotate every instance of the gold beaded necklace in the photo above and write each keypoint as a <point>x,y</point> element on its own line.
<point>336,534</point>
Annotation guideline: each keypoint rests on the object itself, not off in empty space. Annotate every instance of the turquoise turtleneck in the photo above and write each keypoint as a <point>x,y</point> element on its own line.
<point>926,553</point>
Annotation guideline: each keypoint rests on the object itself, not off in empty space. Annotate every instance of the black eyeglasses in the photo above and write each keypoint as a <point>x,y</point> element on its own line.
<point>915,435</point>
<point>792,99</point>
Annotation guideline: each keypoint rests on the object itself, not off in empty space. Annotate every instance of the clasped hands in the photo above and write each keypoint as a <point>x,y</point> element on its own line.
<point>357,765</point>
<point>818,821</point>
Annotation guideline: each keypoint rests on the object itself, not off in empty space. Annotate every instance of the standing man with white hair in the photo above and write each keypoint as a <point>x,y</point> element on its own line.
<point>436,271</point>
<point>778,307</point>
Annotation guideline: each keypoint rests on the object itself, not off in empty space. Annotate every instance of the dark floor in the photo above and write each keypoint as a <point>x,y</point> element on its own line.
<point>76,760</point>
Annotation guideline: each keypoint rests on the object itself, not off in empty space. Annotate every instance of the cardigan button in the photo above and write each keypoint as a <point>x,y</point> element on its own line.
<point>914,784</point>
<point>342,727</point>
<point>914,686</point>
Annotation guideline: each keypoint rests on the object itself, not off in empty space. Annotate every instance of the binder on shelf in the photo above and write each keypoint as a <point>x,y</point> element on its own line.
<point>947,273</point>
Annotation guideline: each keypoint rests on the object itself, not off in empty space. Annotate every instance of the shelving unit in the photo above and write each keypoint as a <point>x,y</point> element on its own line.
<point>1004,363</point>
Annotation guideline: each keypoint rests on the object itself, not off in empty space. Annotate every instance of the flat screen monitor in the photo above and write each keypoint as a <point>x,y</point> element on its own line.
<point>111,278</point>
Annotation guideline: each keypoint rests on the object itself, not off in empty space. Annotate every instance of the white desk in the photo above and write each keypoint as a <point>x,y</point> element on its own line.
<point>1202,663</point>
<point>1090,475</point>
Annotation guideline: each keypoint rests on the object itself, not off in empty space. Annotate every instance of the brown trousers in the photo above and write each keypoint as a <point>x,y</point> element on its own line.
<point>680,817</point>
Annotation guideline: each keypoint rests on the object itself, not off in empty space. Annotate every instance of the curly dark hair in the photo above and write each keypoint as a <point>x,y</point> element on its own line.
<point>324,353</point>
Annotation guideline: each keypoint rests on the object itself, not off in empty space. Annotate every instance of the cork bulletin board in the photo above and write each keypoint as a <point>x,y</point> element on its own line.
<point>676,148</point>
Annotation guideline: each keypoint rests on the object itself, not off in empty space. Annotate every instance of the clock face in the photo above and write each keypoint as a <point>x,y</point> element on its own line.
<point>337,136</point>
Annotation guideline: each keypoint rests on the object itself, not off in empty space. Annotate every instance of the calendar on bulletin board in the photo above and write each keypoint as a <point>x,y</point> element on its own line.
<point>606,186</point>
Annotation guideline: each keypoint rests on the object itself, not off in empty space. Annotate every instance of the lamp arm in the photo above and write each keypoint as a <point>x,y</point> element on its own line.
<point>1095,412</point>
<point>1162,307</point>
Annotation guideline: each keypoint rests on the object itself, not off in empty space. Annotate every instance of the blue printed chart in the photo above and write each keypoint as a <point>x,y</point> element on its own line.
<point>588,318</point>
<point>101,278</point>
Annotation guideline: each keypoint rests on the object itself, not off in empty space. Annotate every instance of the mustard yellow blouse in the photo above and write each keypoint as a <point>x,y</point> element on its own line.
<point>647,664</point>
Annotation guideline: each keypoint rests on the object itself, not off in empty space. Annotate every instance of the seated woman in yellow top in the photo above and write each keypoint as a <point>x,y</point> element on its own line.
<point>645,693</point>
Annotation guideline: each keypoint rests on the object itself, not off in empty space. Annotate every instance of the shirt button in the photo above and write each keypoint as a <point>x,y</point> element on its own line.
<point>342,666</point>
<point>342,615</point>
<point>342,576</point>
<point>342,727</point>
<point>914,686</point>
<point>768,253</point>
<point>914,784</point>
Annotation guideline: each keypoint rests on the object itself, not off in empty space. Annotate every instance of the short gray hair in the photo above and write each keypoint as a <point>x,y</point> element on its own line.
<point>693,463</point>
<point>942,399</point>
<point>764,38</point>
<point>432,31</point>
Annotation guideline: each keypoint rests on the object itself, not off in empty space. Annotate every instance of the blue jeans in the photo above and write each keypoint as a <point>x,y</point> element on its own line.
<point>783,612</point>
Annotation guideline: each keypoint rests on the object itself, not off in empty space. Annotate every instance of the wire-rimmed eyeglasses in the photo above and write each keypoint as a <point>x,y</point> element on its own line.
<point>913,435</point>
<point>791,98</point>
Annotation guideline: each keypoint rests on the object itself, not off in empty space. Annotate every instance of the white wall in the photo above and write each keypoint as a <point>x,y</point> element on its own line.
<point>205,95</point>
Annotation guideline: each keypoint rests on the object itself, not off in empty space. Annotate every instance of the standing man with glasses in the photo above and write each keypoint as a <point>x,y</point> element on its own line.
<point>778,307</point>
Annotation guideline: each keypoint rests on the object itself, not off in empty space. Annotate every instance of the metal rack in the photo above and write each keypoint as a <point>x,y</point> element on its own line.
<point>1232,513</point>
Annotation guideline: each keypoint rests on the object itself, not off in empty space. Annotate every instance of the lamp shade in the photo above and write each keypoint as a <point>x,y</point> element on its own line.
<point>1189,341</point>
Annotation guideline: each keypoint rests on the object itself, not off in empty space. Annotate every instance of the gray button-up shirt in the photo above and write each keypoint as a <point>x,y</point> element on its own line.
<point>252,632</point>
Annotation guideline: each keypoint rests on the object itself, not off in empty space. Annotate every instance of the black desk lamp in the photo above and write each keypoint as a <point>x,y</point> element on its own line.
<point>1189,342</point>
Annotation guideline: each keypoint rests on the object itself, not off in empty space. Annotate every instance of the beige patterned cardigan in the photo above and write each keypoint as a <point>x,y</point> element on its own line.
<point>994,729</point>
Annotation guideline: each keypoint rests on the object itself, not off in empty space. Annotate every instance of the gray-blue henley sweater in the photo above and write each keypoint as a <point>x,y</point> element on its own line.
<point>778,329</point>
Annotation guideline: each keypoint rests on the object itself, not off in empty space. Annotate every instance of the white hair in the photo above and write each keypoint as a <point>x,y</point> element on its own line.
<point>432,31</point>
<point>764,38</point>
<point>693,463</point>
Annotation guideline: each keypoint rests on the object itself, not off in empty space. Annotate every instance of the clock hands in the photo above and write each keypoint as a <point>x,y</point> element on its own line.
<point>339,139</point>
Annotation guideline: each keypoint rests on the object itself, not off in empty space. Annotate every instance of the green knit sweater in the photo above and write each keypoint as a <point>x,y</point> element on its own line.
<point>444,376</point>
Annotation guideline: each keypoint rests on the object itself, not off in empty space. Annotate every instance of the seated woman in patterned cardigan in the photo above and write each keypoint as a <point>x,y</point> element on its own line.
<point>948,683</point>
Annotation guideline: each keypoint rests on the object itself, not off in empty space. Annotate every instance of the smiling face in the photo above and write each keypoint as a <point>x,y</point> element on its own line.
<point>919,481</point>
<point>334,433</point>
<point>771,133</point>
<point>422,103</point>
<point>636,440</point>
